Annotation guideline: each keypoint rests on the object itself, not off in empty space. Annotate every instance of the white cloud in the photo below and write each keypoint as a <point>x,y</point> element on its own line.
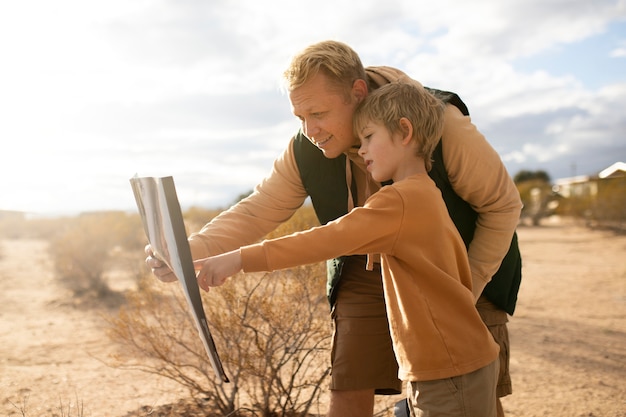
<point>97,90</point>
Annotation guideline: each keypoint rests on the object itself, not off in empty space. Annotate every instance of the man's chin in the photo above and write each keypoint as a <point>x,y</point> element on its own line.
<point>331,155</point>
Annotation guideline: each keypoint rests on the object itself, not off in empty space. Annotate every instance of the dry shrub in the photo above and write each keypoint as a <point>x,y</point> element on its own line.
<point>83,248</point>
<point>271,332</point>
<point>536,195</point>
<point>196,217</point>
<point>610,205</point>
<point>604,207</point>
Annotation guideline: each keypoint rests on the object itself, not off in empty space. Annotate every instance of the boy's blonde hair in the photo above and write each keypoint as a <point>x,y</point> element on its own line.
<point>391,102</point>
<point>337,60</point>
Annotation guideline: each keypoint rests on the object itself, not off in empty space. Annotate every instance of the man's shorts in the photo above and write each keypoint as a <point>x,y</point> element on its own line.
<point>496,319</point>
<point>362,353</point>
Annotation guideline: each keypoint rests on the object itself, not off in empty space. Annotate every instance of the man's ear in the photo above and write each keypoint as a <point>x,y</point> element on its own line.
<point>407,130</point>
<point>359,89</point>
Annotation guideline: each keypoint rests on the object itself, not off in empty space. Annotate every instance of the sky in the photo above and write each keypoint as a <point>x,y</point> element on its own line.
<point>93,93</point>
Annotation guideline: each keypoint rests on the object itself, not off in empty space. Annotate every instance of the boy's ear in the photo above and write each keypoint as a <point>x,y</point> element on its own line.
<point>407,130</point>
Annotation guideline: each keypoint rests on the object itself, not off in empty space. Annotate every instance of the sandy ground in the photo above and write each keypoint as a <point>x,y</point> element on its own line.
<point>568,335</point>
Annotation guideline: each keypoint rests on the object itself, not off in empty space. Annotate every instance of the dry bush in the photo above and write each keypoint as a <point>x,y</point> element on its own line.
<point>196,217</point>
<point>69,409</point>
<point>606,207</point>
<point>84,247</point>
<point>610,205</point>
<point>536,195</point>
<point>303,219</point>
<point>281,337</point>
<point>271,332</point>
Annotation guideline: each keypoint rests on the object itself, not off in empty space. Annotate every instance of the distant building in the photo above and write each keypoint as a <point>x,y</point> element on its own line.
<point>579,186</point>
<point>599,198</point>
<point>616,170</point>
<point>585,185</point>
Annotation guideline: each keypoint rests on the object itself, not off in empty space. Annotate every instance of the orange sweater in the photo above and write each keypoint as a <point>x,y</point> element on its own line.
<point>436,330</point>
<point>474,169</point>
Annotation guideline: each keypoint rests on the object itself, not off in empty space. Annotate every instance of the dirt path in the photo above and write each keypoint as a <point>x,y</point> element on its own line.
<point>51,355</point>
<point>568,335</point>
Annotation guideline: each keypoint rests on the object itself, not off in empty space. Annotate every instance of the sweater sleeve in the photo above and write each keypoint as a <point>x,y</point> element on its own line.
<point>479,177</point>
<point>345,236</point>
<point>274,200</point>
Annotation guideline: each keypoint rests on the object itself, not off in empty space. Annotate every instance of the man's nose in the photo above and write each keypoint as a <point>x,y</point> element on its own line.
<point>310,129</point>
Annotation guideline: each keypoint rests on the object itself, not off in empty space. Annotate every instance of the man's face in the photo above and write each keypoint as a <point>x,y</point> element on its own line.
<point>326,114</point>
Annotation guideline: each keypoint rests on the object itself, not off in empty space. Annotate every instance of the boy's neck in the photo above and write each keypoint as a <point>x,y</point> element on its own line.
<point>411,166</point>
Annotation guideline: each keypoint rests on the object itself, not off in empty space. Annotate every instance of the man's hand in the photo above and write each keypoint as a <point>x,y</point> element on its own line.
<point>158,267</point>
<point>214,271</point>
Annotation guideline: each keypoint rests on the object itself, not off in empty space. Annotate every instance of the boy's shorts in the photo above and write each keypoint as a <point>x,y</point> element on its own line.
<point>362,353</point>
<point>471,394</point>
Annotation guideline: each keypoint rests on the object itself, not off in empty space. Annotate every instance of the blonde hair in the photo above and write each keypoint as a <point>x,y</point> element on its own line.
<point>391,102</point>
<point>340,63</point>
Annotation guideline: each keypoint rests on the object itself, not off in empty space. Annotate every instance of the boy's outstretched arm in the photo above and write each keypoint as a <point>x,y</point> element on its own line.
<point>214,270</point>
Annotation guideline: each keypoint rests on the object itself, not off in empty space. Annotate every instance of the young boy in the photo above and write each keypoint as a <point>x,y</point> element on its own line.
<point>445,353</point>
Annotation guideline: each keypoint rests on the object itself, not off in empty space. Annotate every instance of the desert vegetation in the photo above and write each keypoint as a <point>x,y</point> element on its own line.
<point>600,202</point>
<point>271,330</point>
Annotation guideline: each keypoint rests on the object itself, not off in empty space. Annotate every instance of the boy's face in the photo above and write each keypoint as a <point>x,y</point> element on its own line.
<point>383,154</point>
<point>326,114</point>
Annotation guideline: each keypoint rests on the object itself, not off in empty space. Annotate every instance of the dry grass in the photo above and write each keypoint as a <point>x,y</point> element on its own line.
<point>568,337</point>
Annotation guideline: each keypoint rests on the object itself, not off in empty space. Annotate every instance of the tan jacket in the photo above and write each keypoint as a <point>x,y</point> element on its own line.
<point>436,330</point>
<point>475,172</point>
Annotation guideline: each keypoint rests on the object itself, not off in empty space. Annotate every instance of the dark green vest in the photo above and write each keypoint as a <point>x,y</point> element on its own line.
<point>325,181</point>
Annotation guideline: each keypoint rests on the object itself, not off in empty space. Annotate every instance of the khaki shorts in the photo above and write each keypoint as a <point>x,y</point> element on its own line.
<point>472,394</point>
<point>496,320</point>
<point>362,354</point>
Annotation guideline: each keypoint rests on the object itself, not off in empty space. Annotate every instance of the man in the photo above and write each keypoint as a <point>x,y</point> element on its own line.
<point>326,82</point>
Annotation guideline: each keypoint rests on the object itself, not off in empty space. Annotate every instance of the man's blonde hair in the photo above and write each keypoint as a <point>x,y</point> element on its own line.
<point>391,102</point>
<point>340,63</point>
